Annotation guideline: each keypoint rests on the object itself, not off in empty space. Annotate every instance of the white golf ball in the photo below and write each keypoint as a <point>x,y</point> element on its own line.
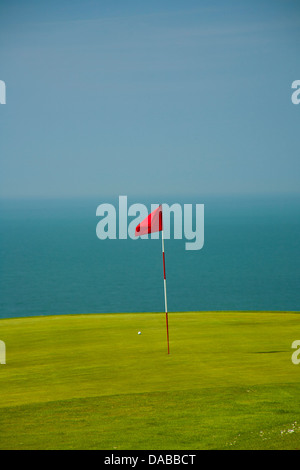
<point>139,333</point>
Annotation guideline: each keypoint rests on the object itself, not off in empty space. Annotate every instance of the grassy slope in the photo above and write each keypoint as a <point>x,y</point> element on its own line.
<point>90,381</point>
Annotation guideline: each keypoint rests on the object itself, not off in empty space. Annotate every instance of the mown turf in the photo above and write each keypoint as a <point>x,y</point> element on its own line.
<point>91,382</point>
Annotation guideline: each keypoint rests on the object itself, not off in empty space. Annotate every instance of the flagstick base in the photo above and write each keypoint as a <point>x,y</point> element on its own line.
<point>167,324</point>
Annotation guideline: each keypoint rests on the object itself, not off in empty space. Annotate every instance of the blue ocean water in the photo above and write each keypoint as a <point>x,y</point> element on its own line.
<point>51,261</point>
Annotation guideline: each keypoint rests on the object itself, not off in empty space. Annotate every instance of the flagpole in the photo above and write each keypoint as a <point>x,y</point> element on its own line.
<point>165,287</point>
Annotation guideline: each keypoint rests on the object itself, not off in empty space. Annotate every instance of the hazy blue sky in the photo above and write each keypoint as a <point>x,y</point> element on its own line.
<point>161,97</point>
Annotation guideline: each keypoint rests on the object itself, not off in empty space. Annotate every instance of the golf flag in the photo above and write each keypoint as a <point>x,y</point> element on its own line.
<point>154,223</point>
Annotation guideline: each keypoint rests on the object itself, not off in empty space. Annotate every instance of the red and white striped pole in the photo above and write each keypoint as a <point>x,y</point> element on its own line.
<point>165,283</point>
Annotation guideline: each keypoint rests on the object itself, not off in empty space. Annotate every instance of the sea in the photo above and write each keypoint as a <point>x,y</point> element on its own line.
<point>53,263</point>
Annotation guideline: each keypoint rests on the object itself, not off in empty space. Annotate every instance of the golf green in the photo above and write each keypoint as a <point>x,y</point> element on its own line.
<point>91,382</point>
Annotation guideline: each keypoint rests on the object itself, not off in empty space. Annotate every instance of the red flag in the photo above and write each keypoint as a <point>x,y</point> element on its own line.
<point>152,223</point>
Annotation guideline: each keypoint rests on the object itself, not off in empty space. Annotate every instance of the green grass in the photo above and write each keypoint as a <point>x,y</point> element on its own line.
<point>91,382</point>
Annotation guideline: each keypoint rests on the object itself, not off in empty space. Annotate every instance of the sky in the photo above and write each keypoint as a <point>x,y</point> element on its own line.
<point>168,97</point>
